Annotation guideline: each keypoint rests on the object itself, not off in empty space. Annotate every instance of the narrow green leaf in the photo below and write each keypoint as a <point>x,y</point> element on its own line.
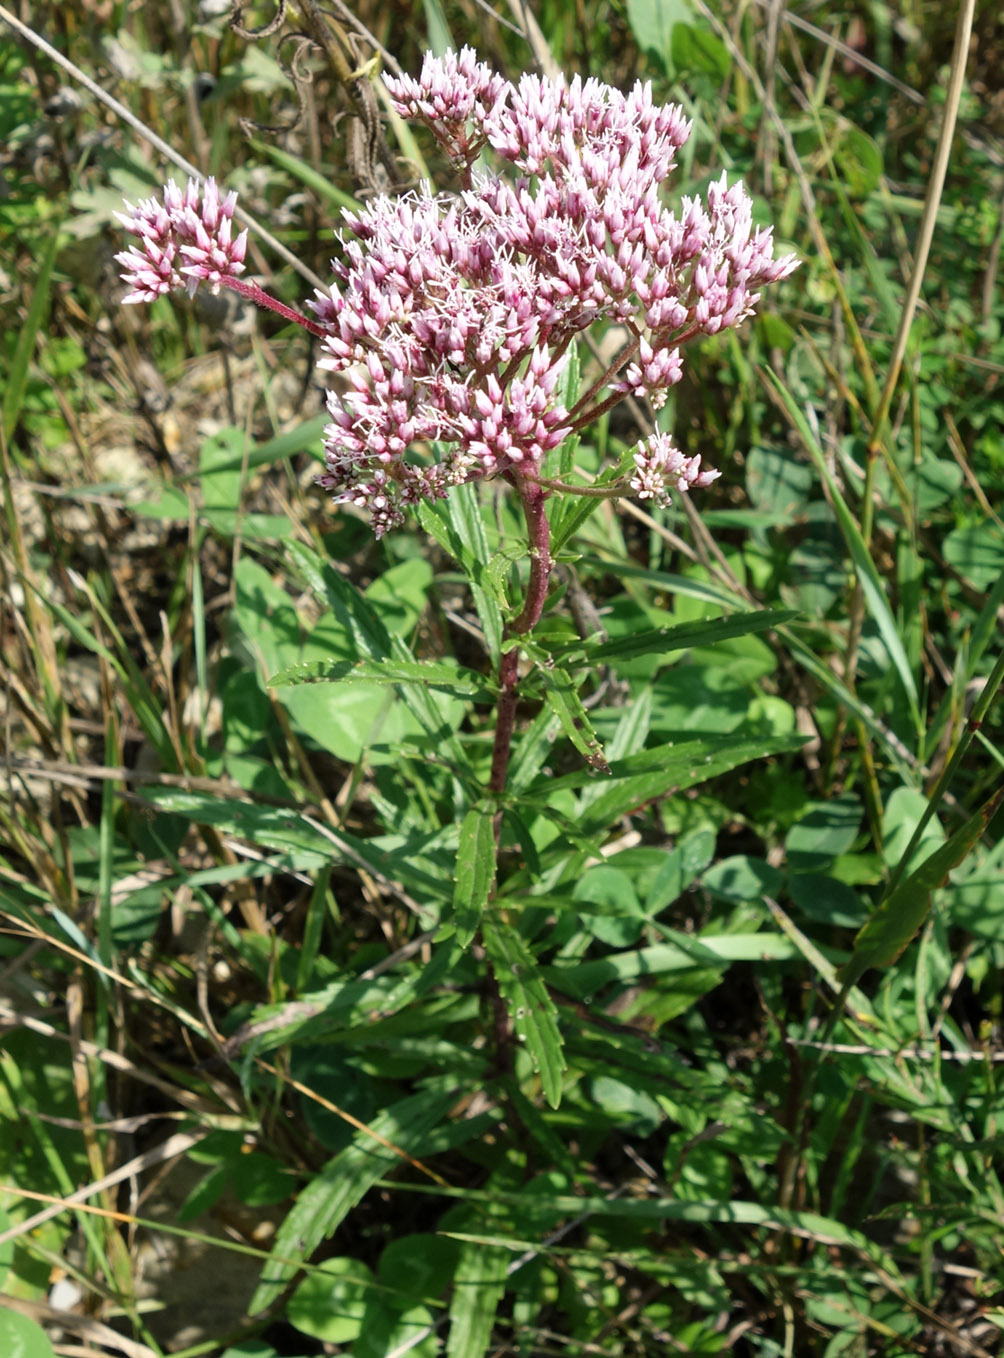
<point>683,954</point>
<point>530,1006</point>
<point>475,872</point>
<point>17,377</point>
<point>458,527</point>
<point>292,831</point>
<point>316,181</point>
<point>654,773</point>
<point>897,919</point>
<point>478,1287</point>
<point>565,703</point>
<point>452,679</point>
<point>344,1181</point>
<point>665,640</point>
<point>369,635</point>
<point>303,438</point>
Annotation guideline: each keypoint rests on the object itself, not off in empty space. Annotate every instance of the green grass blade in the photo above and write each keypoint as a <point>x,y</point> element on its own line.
<point>871,582</point>
<point>17,378</point>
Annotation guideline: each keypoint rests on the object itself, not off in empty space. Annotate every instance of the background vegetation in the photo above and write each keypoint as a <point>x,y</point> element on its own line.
<point>252,1098</point>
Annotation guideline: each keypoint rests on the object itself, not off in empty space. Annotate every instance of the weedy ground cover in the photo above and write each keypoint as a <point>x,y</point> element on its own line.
<point>570,919</point>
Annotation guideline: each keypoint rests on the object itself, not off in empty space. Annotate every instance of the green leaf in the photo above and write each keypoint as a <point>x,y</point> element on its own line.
<point>7,1248</point>
<point>827,830</point>
<point>345,1180</point>
<point>316,180</point>
<point>858,158</point>
<point>619,919</point>
<point>565,703</point>
<point>652,23</point>
<point>21,1337</point>
<point>900,915</point>
<point>656,773</point>
<point>588,978</point>
<point>742,878</point>
<point>17,378</point>
<point>977,553</point>
<point>478,1287</point>
<point>475,871</point>
<point>452,679</point>
<point>330,1303</point>
<point>458,527</point>
<point>904,811</point>
<point>666,640</point>
<point>696,50</point>
<point>530,1006</point>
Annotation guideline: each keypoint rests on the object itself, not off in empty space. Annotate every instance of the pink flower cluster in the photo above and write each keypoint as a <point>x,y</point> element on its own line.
<point>451,315</point>
<point>184,240</point>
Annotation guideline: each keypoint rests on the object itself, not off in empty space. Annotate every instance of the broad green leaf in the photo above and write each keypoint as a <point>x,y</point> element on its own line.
<point>696,50</point>
<point>977,553</point>
<point>619,920</point>
<point>775,481</point>
<point>826,830</point>
<point>7,1248</point>
<point>475,872</point>
<point>652,23</point>
<point>330,1303</point>
<point>742,878</point>
<point>344,1181</point>
<point>22,1337</point>
<point>679,868</point>
<point>531,1008</point>
<point>902,814</point>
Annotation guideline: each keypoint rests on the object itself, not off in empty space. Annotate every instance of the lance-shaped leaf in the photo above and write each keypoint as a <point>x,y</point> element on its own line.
<point>345,1180</point>
<point>475,871</point>
<point>453,679</point>
<point>897,919</point>
<point>531,1008</point>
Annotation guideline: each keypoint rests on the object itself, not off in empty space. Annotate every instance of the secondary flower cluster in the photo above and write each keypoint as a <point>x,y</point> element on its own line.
<point>183,240</point>
<point>452,314</point>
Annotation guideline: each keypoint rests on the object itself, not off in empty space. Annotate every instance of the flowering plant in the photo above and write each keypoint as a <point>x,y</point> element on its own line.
<point>452,314</point>
<point>451,323</point>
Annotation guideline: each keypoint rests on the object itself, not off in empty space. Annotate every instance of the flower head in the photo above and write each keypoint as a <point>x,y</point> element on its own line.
<point>184,239</point>
<point>452,315</point>
<point>660,467</point>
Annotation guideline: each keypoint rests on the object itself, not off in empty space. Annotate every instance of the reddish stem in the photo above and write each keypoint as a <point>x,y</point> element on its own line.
<point>255,294</point>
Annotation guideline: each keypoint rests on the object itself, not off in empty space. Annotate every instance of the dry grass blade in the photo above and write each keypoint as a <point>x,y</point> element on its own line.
<point>175,1145</point>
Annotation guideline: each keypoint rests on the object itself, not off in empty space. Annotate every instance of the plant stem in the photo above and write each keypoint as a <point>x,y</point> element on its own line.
<point>533,498</point>
<point>255,294</point>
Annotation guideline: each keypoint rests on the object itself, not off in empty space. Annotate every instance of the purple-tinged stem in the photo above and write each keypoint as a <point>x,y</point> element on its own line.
<point>255,294</point>
<point>533,499</point>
